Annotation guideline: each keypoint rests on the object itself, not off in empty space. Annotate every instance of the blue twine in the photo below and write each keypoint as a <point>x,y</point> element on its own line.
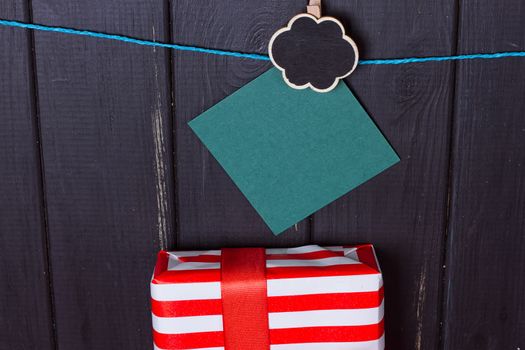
<point>445,58</point>
<point>253,56</point>
<point>128,39</point>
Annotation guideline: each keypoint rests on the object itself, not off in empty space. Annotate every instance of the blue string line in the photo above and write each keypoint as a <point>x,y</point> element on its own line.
<point>128,39</point>
<point>253,56</point>
<point>445,58</point>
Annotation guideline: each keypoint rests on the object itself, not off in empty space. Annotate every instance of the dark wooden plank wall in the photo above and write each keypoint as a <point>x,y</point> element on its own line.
<point>99,169</point>
<point>106,144</point>
<point>25,307</point>
<point>485,303</point>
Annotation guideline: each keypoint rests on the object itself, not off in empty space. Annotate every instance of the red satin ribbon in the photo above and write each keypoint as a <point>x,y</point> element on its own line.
<point>244,299</point>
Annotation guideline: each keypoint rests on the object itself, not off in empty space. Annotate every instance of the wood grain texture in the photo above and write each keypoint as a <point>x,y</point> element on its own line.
<point>212,212</point>
<point>401,211</point>
<point>485,306</point>
<point>25,308</point>
<point>105,121</point>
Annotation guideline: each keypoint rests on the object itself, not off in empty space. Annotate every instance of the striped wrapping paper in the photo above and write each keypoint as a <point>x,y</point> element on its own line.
<point>319,298</point>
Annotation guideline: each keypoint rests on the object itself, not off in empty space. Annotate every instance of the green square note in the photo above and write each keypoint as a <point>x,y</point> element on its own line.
<point>291,152</point>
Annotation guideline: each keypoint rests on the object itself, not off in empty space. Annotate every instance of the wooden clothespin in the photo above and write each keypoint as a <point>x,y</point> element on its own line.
<point>314,8</point>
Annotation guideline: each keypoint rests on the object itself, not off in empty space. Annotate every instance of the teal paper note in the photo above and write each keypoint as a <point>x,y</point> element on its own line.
<point>291,152</point>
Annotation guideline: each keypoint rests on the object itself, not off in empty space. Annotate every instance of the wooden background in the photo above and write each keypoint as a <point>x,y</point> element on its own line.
<point>98,169</point>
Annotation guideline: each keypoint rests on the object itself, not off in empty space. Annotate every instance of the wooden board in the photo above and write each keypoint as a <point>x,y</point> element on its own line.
<point>107,158</point>
<point>401,211</point>
<point>212,212</point>
<point>485,306</point>
<point>25,305</point>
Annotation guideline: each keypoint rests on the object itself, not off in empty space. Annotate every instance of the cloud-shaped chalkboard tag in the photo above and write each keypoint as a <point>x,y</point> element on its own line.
<point>313,52</point>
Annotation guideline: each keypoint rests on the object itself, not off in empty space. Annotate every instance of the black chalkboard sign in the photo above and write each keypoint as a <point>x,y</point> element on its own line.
<point>313,52</point>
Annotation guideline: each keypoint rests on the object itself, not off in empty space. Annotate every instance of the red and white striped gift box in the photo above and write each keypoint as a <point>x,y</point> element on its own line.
<point>317,298</point>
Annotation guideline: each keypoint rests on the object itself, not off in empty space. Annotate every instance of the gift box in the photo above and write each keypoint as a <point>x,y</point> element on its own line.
<point>305,298</point>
